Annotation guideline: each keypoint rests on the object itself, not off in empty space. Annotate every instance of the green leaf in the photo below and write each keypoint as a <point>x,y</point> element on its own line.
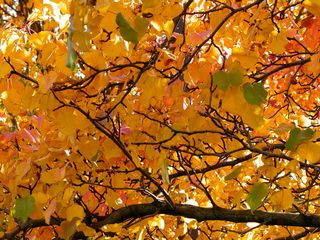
<point>72,54</point>
<point>68,228</point>
<point>24,208</point>
<point>234,174</point>
<point>224,79</point>
<point>141,26</point>
<point>297,137</point>
<point>164,172</point>
<point>254,94</point>
<point>235,76</point>
<point>96,156</point>
<point>126,31</point>
<point>220,78</point>
<point>256,196</point>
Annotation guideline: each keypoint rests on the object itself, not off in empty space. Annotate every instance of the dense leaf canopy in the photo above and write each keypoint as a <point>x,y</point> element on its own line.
<point>159,119</point>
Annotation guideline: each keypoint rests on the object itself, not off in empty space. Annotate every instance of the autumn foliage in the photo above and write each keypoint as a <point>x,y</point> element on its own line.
<point>159,119</point>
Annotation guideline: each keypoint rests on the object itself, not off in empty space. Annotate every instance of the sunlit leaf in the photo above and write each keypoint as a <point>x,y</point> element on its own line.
<point>114,227</point>
<point>256,196</point>
<point>75,211</point>
<point>221,79</point>
<point>5,69</point>
<point>313,6</point>
<point>233,101</point>
<point>88,231</point>
<point>53,175</point>
<point>126,31</point>
<point>82,40</point>
<point>49,211</point>
<point>224,79</point>
<point>164,171</point>
<point>297,137</point>
<point>282,200</point>
<point>72,54</point>
<point>168,26</point>
<point>309,151</point>
<point>234,174</point>
<point>102,5</point>
<point>141,26</point>
<point>254,94</point>
<point>68,228</point>
<point>24,208</point>
<point>150,4</point>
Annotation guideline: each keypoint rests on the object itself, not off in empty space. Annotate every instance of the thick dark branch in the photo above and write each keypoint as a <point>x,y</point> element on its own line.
<point>199,213</point>
<point>206,214</point>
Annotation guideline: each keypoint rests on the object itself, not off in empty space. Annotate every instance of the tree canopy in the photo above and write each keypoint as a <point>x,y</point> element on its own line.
<point>159,119</point>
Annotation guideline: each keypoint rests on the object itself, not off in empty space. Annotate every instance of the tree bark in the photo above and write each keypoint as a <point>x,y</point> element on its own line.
<point>207,214</point>
<point>185,210</point>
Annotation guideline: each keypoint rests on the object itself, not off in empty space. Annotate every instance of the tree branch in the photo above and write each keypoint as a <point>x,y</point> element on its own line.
<point>206,214</point>
<point>185,210</point>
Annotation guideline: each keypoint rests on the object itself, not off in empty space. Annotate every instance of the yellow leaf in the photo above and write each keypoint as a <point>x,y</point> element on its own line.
<point>67,229</point>
<point>168,26</point>
<point>284,182</point>
<point>150,4</point>
<point>49,211</point>
<point>40,197</point>
<point>53,175</point>
<point>60,62</point>
<point>88,148</point>
<point>282,200</point>
<point>309,151</point>
<point>48,54</point>
<point>172,11</point>
<point>155,157</point>
<point>108,21</point>
<point>114,228</point>
<point>7,45</point>
<point>46,81</point>
<point>75,211</point>
<point>102,5</point>
<point>247,59</point>
<point>153,88</point>
<point>268,171</point>
<point>313,6</point>
<point>234,102</point>
<point>113,197</point>
<point>94,58</point>
<point>68,193</point>
<point>293,165</point>
<point>88,231</point>
<point>142,234</point>
<point>81,39</point>
<point>157,222</point>
<point>22,169</point>
<point>38,40</point>
<point>69,121</point>
<point>5,69</point>
<point>279,41</point>
<point>111,150</point>
<point>234,145</point>
<point>314,65</point>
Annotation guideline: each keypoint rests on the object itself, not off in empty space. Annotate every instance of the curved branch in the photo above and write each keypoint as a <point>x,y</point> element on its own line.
<point>208,214</point>
<point>185,210</point>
